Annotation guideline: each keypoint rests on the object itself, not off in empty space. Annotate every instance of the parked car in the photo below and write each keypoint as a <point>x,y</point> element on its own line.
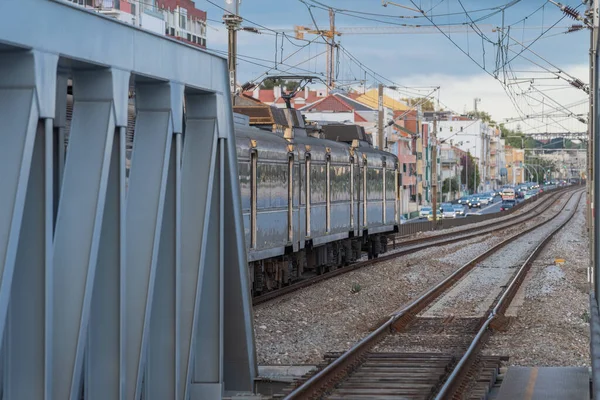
<point>459,209</point>
<point>473,202</point>
<point>425,212</point>
<point>484,200</point>
<point>445,205</point>
<point>529,194</point>
<point>438,217</point>
<point>507,205</point>
<point>463,200</point>
<point>448,211</point>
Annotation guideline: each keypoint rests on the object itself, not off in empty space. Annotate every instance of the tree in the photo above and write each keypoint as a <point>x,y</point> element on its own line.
<point>482,115</point>
<point>516,138</point>
<point>426,104</point>
<point>469,165</point>
<point>271,83</point>
<point>450,185</point>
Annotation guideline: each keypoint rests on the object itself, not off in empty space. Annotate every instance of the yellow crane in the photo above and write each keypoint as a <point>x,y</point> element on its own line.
<point>330,34</point>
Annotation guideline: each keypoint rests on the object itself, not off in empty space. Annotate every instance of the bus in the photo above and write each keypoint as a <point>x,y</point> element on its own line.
<point>508,194</point>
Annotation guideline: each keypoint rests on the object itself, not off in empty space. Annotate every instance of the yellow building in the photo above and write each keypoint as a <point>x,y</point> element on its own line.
<point>371,99</point>
<point>515,158</point>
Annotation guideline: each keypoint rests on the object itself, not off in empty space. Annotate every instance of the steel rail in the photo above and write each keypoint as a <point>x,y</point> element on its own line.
<point>425,241</point>
<point>454,381</point>
<point>337,370</point>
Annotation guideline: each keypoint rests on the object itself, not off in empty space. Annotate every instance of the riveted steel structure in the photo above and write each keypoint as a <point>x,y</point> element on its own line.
<point>117,285</point>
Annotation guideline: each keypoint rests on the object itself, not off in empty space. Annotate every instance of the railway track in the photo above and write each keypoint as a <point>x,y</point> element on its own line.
<point>413,245</point>
<point>393,361</point>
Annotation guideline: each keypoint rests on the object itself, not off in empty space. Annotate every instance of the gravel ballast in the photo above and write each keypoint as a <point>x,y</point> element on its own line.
<point>334,314</point>
<point>550,325</point>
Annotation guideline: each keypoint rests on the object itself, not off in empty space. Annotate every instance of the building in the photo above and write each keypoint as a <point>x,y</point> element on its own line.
<point>183,21</point>
<point>515,159</point>
<point>451,168</point>
<point>473,136</point>
<point>179,19</point>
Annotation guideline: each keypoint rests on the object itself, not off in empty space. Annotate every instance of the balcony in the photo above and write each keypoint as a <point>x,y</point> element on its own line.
<point>407,159</point>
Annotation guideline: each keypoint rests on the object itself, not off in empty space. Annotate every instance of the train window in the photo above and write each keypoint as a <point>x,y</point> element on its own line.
<point>295,183</point>
<point>318,183</point>
<point>272,184</point>
<point>340,183</point>
<point>390,184</point>
<point>374,184</point>
<point>244,172</point>
<point>302,184</point>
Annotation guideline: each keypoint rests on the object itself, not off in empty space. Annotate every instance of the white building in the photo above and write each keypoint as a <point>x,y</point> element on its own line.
<point>179,19</point>
<point>472,136</point>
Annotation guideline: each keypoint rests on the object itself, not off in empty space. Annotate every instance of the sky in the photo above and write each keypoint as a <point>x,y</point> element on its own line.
<point>526,53</point>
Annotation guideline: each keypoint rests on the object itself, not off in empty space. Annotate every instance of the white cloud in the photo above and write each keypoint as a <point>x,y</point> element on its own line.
<point>458,93</point>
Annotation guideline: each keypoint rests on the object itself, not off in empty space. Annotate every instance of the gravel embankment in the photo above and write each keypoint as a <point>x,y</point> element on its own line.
<point>476,292</point>
<point>334,314</point>
<point>551,325</point>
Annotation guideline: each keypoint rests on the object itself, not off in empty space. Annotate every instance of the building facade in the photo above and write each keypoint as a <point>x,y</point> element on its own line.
<point>179,19</point>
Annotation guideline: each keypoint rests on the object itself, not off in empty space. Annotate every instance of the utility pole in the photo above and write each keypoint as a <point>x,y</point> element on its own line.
<point>331,52</point>
<point>475,101</point>
<point>434,169</point>
<point>467,169</point>
<point>380,121</point>
<point>232,20</point>
<point>593,158</point>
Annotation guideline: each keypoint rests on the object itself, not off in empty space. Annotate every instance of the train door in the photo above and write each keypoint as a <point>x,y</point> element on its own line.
<point>328,193</point>
<point>307,194</point>
<point>352,193</point>
<point>290,178</point>
<point>364,171</point>
<point>253,188</point>
<point>383,204</point>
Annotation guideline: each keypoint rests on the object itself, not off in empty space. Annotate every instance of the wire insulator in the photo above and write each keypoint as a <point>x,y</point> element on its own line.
<point>571,12</point>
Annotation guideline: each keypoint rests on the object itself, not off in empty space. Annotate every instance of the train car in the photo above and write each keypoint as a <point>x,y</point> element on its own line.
<point>313,204</point>
<point>309,204</point>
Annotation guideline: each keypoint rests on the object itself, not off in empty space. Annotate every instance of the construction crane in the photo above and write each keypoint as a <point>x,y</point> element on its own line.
<point>330,34</point>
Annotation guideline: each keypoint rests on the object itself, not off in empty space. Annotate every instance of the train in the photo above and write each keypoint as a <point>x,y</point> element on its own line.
<point>313,202</point>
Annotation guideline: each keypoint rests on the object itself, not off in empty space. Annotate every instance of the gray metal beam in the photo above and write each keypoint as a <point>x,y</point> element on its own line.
<point>119,45</point>
<point>79,225</point>
<point>26,219</point>
<point>125,286</point>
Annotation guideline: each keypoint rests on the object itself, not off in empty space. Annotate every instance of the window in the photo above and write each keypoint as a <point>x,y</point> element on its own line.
<point>318,183</point>
<point>390,185</point>
<point>172,31</point>
<point>339,178</point>
<point>182,18</point>
<point>374,184</point>
<point>189,37</point>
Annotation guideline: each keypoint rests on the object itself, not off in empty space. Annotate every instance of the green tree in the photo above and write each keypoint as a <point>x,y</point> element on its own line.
<point>469,165</point>
<point>450,185</point>
<point>271,83</point>
<point>426,104</point>
<point>516,138</point>
<point>482,115</point>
